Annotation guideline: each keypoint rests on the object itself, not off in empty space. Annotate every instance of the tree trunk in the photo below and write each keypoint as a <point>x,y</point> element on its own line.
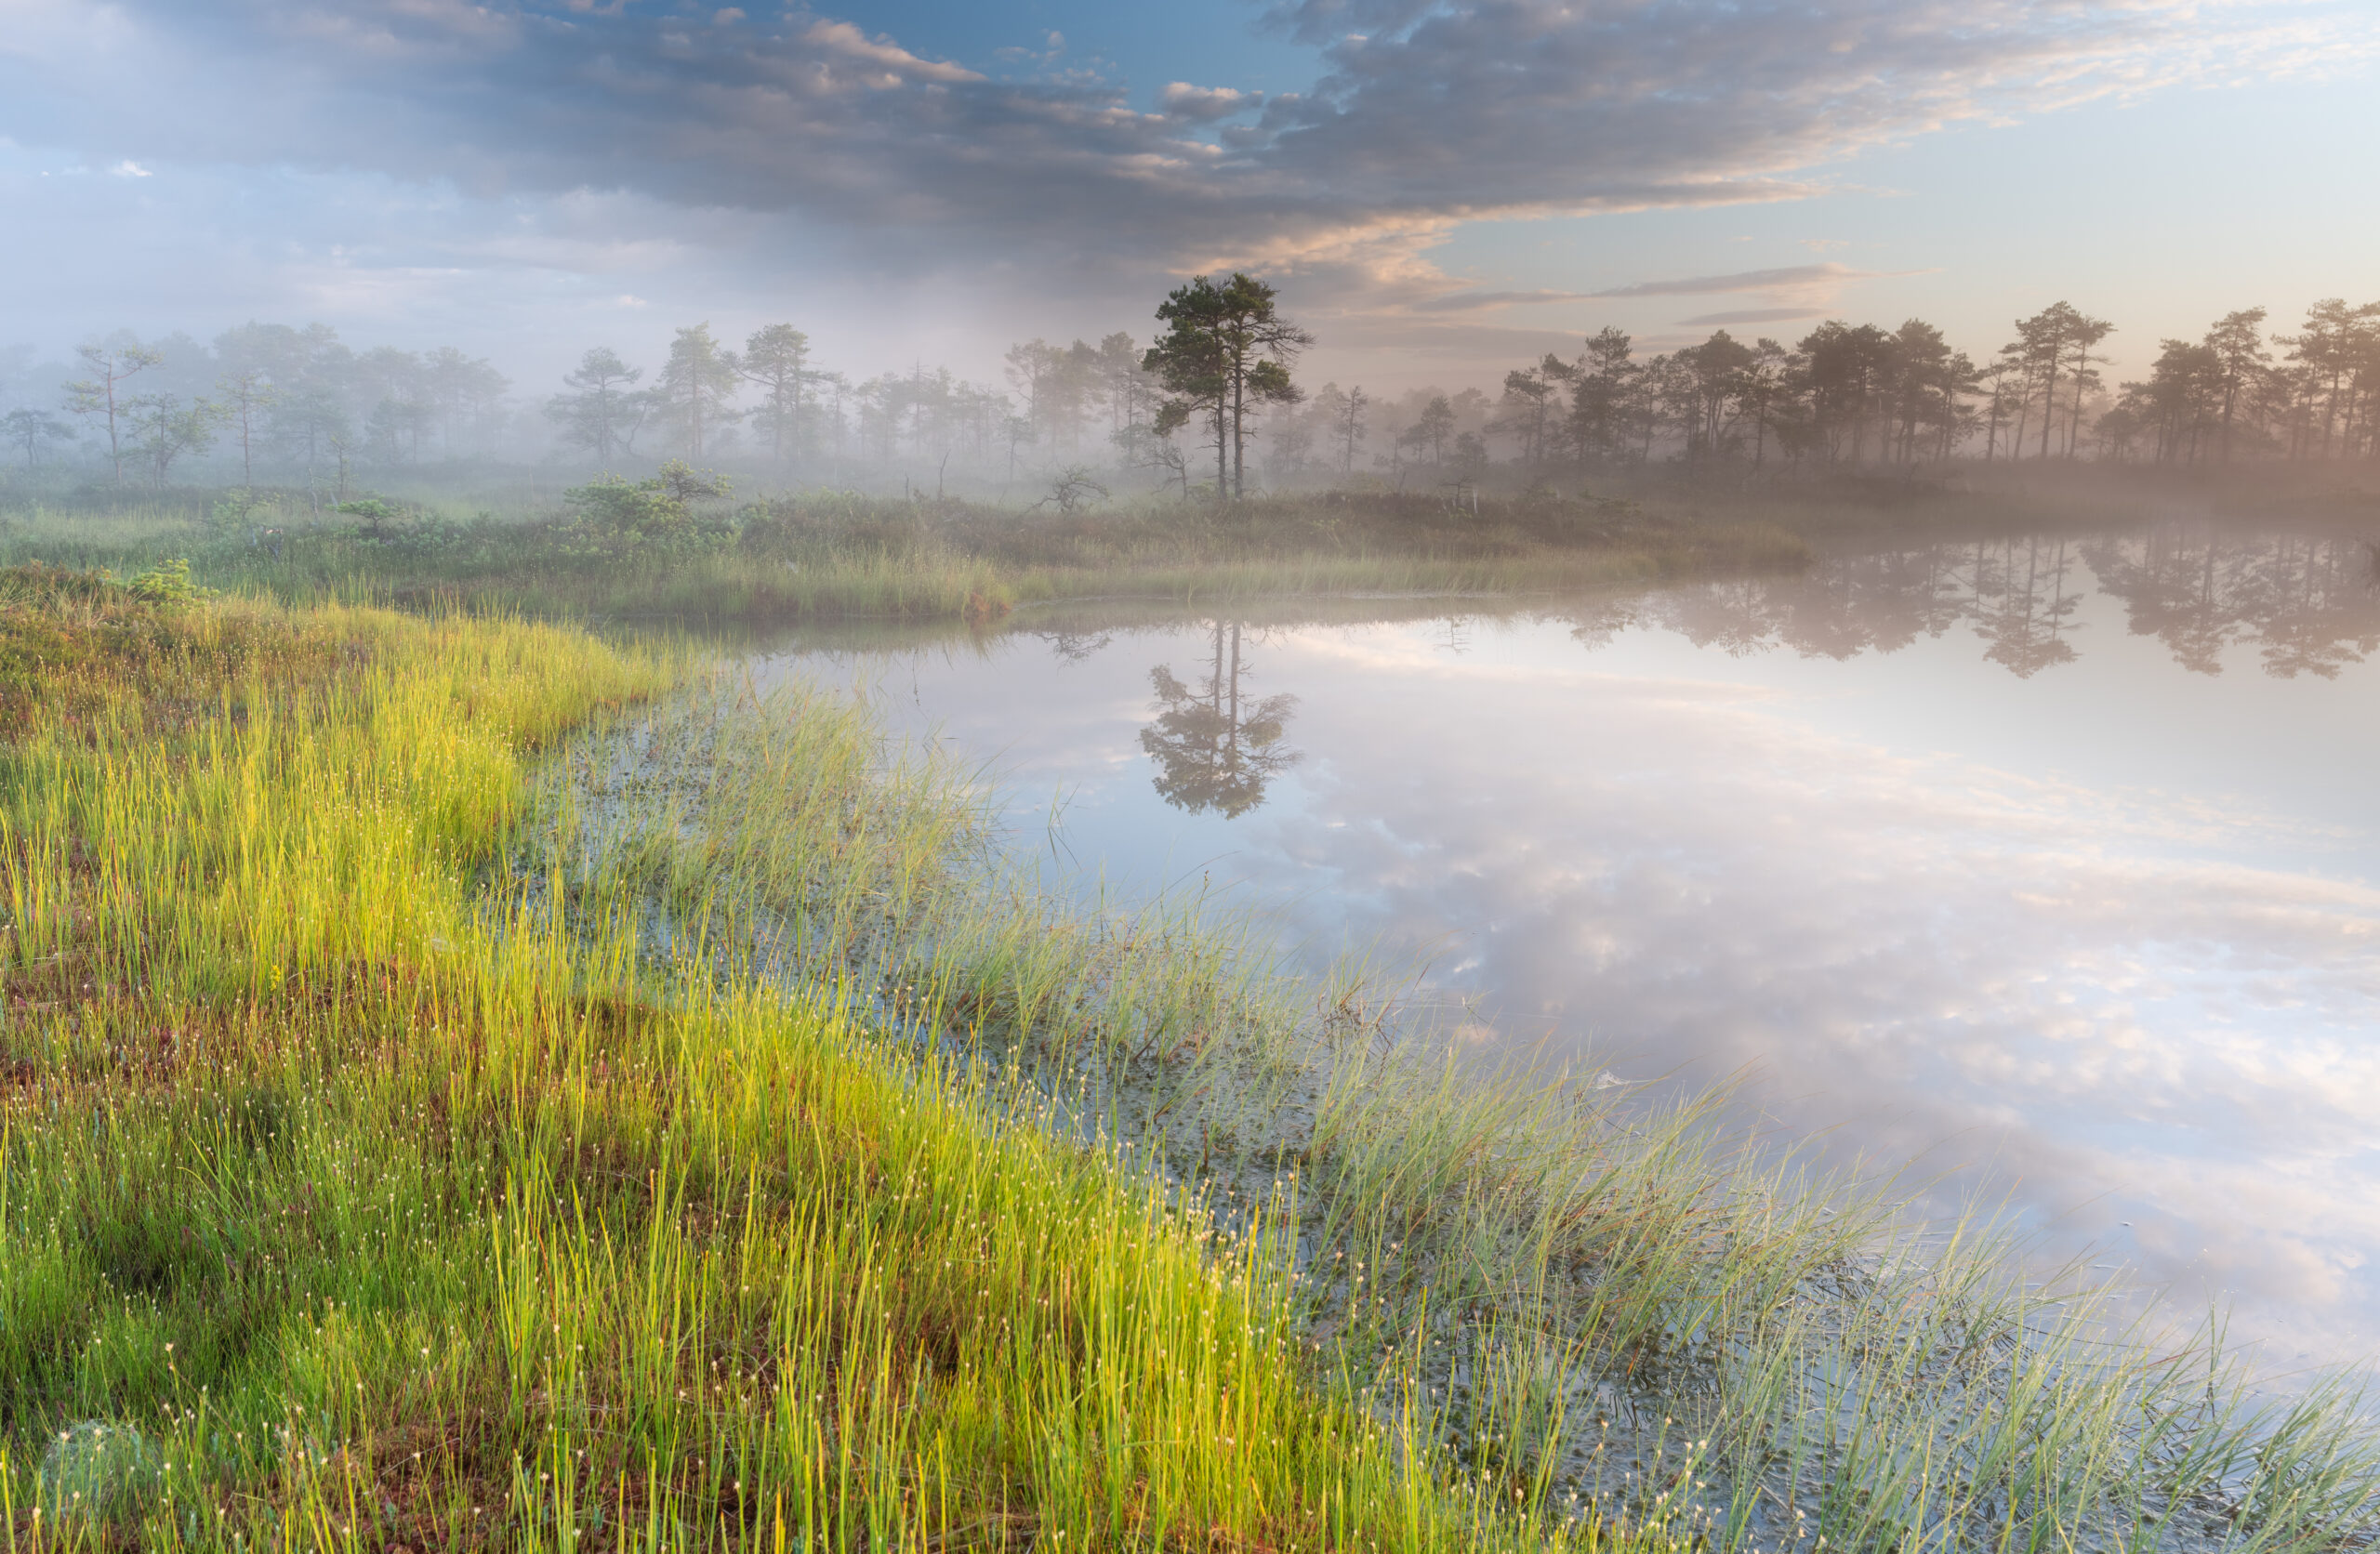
<point>2049,396</point>
<point>1222,450</point>
<point>1238,435</point>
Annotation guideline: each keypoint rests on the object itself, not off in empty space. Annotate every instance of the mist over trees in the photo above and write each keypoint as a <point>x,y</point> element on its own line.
<point>1211,402</point>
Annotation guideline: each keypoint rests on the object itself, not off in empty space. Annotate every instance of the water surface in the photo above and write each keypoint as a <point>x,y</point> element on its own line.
<point>2052,861</point>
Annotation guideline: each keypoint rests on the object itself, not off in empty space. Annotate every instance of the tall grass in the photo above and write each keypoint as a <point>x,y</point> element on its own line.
<point>360,1189</point>
<point>1591,1301</point>
<point>455,1098</point>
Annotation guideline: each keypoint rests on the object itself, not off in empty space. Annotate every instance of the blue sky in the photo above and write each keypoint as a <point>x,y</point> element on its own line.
<point>1441,188</point>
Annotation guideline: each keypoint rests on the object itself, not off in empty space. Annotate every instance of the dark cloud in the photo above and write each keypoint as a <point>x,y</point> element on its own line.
<point>771,150</point>
<point>1427,114</point>
<point>1473,105</point>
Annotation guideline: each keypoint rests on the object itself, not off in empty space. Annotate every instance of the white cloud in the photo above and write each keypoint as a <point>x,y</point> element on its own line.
<point>1205,104</point>
<point>896,63</point>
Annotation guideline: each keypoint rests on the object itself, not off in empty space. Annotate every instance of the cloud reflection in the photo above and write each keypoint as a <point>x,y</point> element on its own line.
<point>2096,992</point>
<point>1731,827</point>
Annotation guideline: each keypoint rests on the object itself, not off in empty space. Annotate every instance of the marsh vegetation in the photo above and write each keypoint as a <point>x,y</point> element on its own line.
<point>677,545</point>
<point>472,1084</point>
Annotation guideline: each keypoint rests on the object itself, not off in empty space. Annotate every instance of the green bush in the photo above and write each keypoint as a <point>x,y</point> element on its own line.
<point>650,520</point>
<point>167,583</point>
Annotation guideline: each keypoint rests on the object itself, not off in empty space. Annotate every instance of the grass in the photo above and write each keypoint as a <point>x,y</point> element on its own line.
<point>835,555</point>
<point>354,1194</point>
<point>1582,1297</point>
<point>458,1091</point>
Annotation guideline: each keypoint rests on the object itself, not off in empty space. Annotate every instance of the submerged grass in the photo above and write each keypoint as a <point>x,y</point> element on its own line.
<point>1587,1299</point>
<point>360,1191</point>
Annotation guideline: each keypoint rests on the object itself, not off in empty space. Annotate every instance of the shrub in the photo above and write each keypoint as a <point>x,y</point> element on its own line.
<point>655,519</point>
<point>167,583</point>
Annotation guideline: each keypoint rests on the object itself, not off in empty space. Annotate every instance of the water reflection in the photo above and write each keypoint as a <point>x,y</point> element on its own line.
<point>2295,601</point>
<point>2055,855</point>
<point>2305,604</point>
<point>1216,749</point>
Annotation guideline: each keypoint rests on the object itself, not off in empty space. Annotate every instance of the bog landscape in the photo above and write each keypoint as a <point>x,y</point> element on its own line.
<point>1321,900</point>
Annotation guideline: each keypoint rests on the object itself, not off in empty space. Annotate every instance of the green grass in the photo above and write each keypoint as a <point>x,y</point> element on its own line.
<point>467,1086</point>
<point>1578,1294</point>
<point>355,1195</point>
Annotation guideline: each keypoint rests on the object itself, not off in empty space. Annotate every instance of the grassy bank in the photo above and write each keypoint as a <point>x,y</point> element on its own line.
<point>457,1096</point>
<point>354,1194</point>
<point>835,555</point>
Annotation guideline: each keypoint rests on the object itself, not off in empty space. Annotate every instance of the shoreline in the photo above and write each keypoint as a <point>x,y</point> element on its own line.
<point>1511,1271</point>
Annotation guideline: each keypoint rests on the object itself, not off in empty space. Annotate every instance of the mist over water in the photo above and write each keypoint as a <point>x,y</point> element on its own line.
<point>2044,865</point>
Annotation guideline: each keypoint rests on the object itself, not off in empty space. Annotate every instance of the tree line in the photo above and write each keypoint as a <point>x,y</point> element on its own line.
<point>1857,394</point>
<point>1217,382</point>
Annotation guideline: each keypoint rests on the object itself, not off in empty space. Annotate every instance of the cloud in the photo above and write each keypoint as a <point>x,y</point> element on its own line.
<point>128,168</point>
<point>896,63</point>
<point>1205,104</point>
<point>1829,277</point>
<point>1425,114</point>
<point>1803,290</point>
<point>810,132</point>
<point>1512,103</point>
<point>1456,302</point>
<point>1753,315</point>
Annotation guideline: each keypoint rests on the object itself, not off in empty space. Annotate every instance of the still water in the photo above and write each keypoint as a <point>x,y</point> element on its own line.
<point>2048,864</point>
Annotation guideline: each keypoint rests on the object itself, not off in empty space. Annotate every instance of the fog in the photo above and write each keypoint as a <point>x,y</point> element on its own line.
<point>2255,397</point>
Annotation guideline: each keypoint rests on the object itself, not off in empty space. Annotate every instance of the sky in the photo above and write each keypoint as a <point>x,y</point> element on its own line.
<point>1441,189</point>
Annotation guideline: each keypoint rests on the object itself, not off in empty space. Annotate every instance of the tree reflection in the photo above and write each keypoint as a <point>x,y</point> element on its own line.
<point>2303,604</point>
<point>2028,631</point>
<point>2295,599</point>
<point>1214,748</point>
